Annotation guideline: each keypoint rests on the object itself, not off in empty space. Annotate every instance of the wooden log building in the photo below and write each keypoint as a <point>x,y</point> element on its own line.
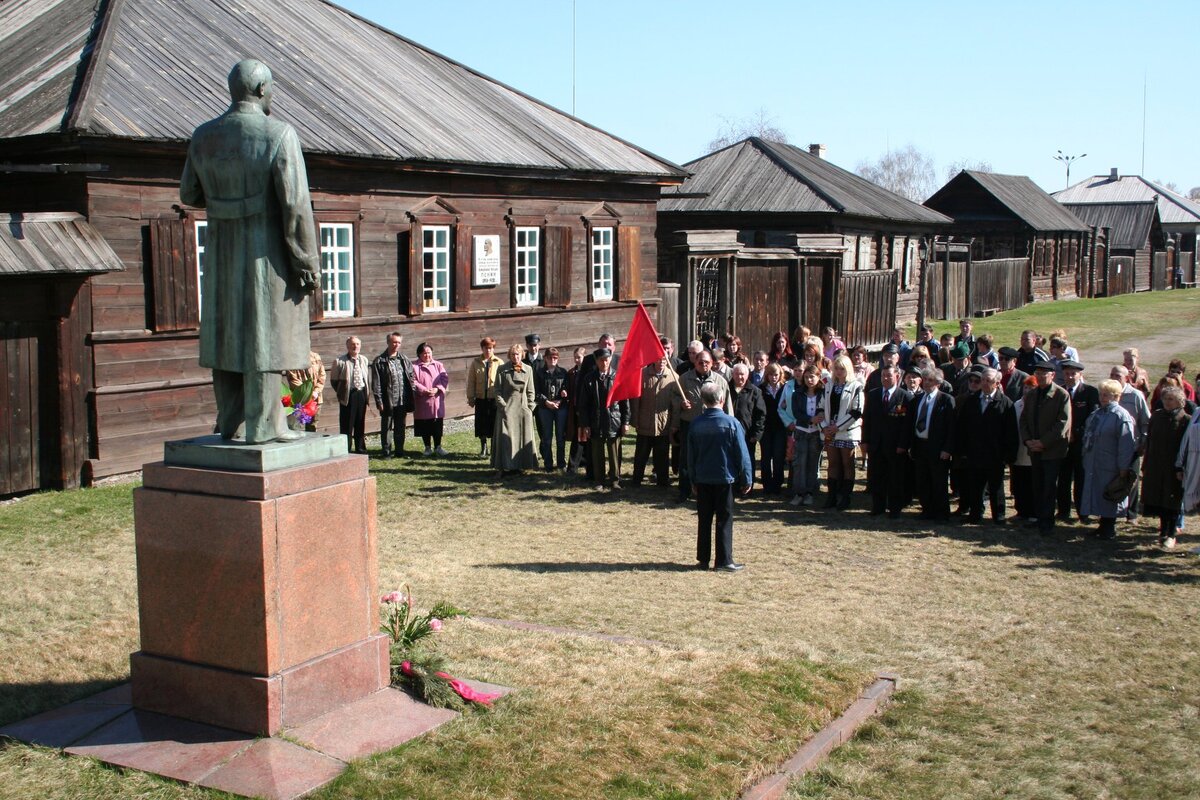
<point>1133,236</point>
<point>1179,216</point>
<point>421,169</point>
<point>767,236</point>
<point>1004,217</point>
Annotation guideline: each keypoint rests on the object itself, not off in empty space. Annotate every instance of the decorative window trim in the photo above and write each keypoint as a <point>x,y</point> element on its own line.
<point>601,286</point>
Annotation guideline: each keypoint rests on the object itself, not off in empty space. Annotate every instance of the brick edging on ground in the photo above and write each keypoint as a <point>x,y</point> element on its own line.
<point>836,733</point>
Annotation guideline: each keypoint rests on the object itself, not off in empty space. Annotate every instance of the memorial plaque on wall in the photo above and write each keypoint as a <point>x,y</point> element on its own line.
<point>487,261</point>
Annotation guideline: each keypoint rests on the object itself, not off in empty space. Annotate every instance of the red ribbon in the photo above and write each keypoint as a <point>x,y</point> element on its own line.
<point>462,689</point>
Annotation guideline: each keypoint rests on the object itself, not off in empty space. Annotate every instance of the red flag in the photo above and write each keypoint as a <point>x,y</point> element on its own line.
<point>642,347</point>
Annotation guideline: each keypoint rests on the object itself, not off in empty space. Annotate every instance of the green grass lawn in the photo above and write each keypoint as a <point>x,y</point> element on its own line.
<point>1163,325</point>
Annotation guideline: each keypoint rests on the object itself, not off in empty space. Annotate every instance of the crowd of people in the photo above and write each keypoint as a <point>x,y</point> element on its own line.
<point>938,420</point>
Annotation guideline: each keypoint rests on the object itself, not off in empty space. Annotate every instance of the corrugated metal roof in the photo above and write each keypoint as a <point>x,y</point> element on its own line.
<point>1017,193</point>
<point>757,176</point>
<point>348,86</point>
<point>48,244</point>
<point>1173,208</point>
<point>1130,223</point>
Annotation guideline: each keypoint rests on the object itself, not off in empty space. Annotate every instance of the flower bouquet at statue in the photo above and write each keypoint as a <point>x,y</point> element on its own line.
<point>421,670</point>
<point>302,414</point>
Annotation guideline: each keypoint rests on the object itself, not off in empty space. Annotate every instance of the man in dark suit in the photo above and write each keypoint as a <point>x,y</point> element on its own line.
<point>605,342</point>
<point>1046,430</point>
<point>986,438</point>
<point>1012,380</point>
<point>886,435</point>
<point>749,408</point>
<point>932,420</point>
<point>1084,400</point>
<point>888,357</point>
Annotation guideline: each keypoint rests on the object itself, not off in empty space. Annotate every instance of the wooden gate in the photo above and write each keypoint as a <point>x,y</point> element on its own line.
<point>763,294</point>
<point>707,319</point>
<point>946,290</point>
<point>1119,279</point>
<point>1159,271</point>
<point>867,306</point>
<point>997,285</point>
<point>816,280</point>
<point>20,453</point>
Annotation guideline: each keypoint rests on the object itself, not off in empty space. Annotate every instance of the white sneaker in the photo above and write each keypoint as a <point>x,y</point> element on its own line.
<point>1168,543</point>
<point>441,451</point>
<point>797,500</point>
<point>427,452</point>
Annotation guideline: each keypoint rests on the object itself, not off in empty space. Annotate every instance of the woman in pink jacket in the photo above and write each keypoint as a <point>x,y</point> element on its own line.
<point>429,399</point>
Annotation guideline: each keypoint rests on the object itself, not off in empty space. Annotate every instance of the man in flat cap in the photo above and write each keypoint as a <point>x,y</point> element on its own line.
<point>1012,380</point>
<point>1046,430</point>
<point>1084,400</point>
<point>606,423</point>
<point>262,257</point>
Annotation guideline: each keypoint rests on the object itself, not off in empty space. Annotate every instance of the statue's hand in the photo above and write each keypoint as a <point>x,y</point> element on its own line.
<point>308,281</point>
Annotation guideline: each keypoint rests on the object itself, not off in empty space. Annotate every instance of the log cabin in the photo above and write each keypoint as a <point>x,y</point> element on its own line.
<point>767,236</point>
<point>1006,217</point>
<point>1179,216</point>
<point>450,206</point>
<point>1133,238</point>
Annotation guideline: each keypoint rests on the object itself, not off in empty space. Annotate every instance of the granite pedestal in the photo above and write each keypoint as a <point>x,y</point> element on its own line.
<point>257,590</point>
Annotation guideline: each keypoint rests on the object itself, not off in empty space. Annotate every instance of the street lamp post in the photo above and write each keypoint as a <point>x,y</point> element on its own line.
<point>1066,159</point>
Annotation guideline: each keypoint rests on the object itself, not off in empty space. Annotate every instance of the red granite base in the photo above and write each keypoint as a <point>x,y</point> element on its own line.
<point>106,727</point>
<point>257,704</point>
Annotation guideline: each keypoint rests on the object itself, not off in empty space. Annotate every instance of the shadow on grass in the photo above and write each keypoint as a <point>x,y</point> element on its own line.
<point>1129,558</point>
<point>591,566</point>
<point>19,701</point>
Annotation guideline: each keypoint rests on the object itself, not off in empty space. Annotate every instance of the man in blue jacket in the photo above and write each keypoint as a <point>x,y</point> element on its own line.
<point>717,460</point>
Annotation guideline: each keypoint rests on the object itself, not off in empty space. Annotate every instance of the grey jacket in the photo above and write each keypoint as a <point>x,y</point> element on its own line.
<point>392,382</point>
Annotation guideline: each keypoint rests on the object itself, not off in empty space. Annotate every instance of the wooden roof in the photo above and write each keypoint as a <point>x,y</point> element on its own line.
<point>1173,209</point>
<point>1129,224</point>
<point>757,176</point>
<point>51,244</point>
<point>155,69</point>
<point>988,197</point>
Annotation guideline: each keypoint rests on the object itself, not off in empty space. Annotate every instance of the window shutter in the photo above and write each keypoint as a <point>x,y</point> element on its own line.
<point>629,269</point>
<point>557,281</point>
<point>462,268</point>
<point>176,294</point>
<point>416,282</point>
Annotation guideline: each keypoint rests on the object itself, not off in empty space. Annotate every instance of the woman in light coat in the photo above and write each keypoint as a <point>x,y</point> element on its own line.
<point>481,392</point>
<point>1109,447</point>
<point>512,442</point>
<point>842,407</point>
<point>1188,465</point>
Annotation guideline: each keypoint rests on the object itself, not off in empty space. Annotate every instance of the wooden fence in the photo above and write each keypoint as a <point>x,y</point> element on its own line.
<point>867,306</point>
<point>1160,272</point>
<point>946,290</point>
<point>1119,279</point>
<point>997,285</point>
<point>668,312</point>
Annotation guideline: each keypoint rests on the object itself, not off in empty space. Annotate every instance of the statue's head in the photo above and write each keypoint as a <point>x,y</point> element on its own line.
<point>250,80</point>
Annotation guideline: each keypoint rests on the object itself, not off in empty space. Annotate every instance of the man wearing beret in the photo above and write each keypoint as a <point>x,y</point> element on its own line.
<point>1046,430</point>
<point>1084,400</point>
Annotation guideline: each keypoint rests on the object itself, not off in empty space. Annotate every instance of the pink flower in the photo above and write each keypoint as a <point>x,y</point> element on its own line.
<point>435,624</point>
<point>392,597</point>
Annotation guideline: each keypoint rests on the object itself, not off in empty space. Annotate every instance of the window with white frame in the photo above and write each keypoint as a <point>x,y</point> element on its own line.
<point>602,263</point>
<point>529,266</point>
<point>435,262</point>
<point>337,268</point>
<point>201,239</point>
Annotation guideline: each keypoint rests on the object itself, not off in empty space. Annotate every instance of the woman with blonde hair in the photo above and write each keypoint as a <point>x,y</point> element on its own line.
<point>1109,447</point>
<point>842,409</point>
<point>481,394</point>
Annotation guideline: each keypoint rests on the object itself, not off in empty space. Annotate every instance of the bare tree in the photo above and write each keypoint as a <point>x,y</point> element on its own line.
<point>1194,193</point>
<point>1170,186</point>
<point>735,130</point>
<point>908,172</point>
<point>974,166</point>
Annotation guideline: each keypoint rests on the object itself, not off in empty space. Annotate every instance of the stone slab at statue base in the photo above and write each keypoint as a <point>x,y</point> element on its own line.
<point>257,592</point>
<point>213,452</point>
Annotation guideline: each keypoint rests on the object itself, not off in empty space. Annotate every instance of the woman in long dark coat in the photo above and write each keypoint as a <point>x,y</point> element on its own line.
<point>1162,490</point>
<point>512,443</point>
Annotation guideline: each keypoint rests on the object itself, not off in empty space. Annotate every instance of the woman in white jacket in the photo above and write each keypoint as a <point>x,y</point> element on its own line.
<point>1188,464</point>
<point>843,409</point>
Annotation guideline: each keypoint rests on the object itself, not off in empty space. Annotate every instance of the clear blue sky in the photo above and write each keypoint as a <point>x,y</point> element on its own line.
<point>1009,83</point>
